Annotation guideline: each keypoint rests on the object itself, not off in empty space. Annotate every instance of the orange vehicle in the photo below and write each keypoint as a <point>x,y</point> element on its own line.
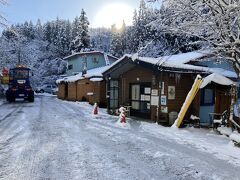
<point>19,84</point>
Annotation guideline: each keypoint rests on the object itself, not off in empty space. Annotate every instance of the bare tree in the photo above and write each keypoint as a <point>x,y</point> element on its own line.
<point>216,22</point>
<point>3,21</point>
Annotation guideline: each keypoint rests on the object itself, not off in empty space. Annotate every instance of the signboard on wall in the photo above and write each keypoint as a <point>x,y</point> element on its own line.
<point>147,98</point>
<point>154,92</point>
<point>164,109</point>
<point>171,92</point>
<point>155,100</point>
<point>164,100</point>
<point>147,90</point>
<point>162,88</point>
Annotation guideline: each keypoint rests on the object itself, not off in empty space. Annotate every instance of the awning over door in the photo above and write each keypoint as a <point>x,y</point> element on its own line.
<point>216,78</point>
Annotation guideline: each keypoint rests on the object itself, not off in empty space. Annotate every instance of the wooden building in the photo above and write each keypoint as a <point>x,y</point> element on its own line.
<point>157,88</point>
<point>62,90</point>
<point>89,87</point>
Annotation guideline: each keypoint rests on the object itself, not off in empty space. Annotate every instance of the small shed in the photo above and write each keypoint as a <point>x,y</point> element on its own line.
<point>62,89</point>
<point>89,87</point>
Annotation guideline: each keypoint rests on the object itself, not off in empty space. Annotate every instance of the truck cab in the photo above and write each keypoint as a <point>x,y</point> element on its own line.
<point>19,84</point>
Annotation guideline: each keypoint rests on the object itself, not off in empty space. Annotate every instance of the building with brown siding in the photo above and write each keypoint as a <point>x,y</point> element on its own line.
<point>157,88</point>
<point>89,87</point>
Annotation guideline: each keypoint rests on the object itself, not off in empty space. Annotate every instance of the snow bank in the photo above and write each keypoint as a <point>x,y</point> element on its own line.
<point>235,136</point>
<point>1,102</point>
<point>204,140</point>
<point>225,130</point>
<point>45,94</point>
<point>123,125</point>
<point>236,109</point>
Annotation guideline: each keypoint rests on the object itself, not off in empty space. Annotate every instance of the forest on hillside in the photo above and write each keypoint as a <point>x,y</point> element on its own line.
<point>175,27</point>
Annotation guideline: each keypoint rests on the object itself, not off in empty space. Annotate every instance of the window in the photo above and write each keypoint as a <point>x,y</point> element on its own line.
<point>135,97</point>
<point>207,97</point>
<point>140,97</point>
<point>95,60</point>
<point>21,73</point>
<point>70,67</point>
<point>113,94</point>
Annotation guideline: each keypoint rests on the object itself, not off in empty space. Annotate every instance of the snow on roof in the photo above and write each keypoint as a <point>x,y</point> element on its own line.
<point>223,72</point>
<point>59,81</point>
<point>217,78</point>
<point>119,60</point>
<point>96,79</point>
<point>90,52</point>
<point>179,62</point>
<point>97,72</point>
<point>184,57</point>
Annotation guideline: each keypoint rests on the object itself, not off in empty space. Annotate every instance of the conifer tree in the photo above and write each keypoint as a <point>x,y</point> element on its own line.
<point>82,39</point>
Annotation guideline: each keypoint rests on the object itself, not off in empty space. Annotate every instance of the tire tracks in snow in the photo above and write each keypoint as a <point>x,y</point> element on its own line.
<point>11,113</point>
<point>180,167</point>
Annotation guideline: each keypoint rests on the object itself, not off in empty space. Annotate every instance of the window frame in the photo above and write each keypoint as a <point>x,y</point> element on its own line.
<point>203,94</point>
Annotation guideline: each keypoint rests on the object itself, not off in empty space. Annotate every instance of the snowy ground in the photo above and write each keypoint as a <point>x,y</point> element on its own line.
<point>1,101</point>
<point>52,139</point>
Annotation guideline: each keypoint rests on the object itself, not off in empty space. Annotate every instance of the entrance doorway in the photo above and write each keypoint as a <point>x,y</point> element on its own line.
<point>113,97</point>
<point>66,91</point>
<point>207,105</point>
<point>140,96</point>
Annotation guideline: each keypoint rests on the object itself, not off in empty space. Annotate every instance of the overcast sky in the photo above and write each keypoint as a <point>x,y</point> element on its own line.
<point>22,10</point>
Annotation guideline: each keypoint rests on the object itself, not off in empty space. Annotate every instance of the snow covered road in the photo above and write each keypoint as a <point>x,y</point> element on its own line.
<point>52,139</point>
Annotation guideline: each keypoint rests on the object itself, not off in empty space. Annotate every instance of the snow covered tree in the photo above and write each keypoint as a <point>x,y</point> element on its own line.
<point>215,22</point>
<point>47,32</point>
<point>9,33</point>
<point>81,39</point>
<point>63,37</point>
<point>100,39</point>
<point>118,43</point>
<point>27,30</point>
<point>140,33</point>
<point>39,30</point>
<point>75,27</point>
